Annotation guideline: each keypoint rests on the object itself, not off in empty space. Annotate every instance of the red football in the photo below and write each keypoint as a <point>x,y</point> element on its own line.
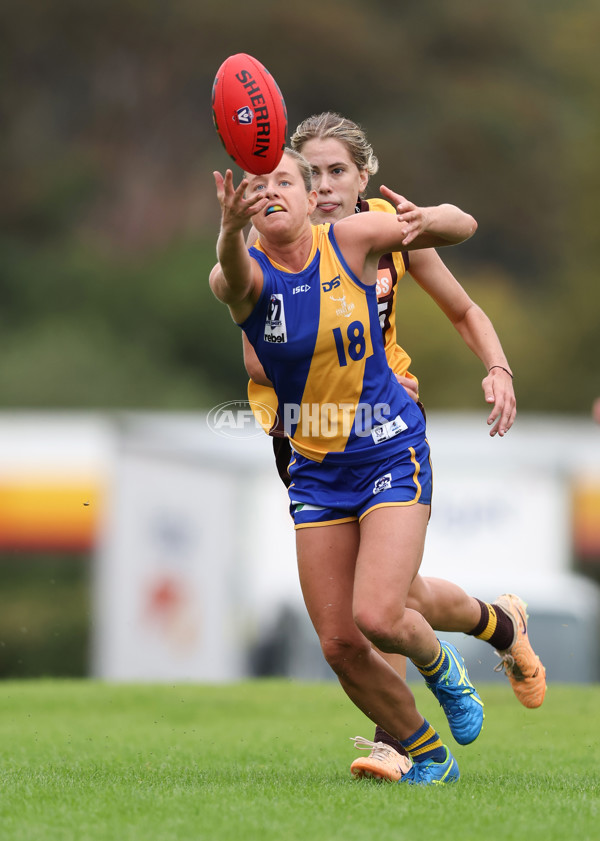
<point>249,114</point>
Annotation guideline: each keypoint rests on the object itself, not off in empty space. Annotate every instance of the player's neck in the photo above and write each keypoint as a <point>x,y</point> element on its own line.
<point>292,256</point>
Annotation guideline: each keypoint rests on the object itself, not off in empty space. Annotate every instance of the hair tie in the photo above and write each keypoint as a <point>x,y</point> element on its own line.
<point>503,369</point>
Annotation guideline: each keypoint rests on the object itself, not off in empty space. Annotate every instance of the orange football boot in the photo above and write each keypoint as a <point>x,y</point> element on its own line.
<point>521,664</point>
<point>383,763</point>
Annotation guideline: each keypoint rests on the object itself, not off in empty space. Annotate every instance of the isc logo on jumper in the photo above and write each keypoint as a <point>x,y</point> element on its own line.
<point>331,284</point>
<point>244,116</point>
<point>275,331</point>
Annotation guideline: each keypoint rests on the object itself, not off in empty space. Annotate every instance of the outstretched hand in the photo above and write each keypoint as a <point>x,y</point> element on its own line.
<point>236,209</point>
<point>498,389</point>
<point>411,386</point>
<point>413,219</point>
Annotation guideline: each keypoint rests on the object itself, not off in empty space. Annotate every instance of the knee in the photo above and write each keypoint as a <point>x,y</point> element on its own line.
<point>417,600</point>
<point>343,654</point>
<point>383,629</point>
<point>420,598</point>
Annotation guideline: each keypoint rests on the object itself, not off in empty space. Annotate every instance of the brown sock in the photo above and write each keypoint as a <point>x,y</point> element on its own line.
<point>382,736</point>
<point>495,626</point>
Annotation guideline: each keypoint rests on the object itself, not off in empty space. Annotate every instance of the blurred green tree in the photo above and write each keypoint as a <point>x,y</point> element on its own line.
<point>109,216</point>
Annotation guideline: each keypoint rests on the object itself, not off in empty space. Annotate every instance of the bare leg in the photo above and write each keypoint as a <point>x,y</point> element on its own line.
<point>391,548</point>
<point>447,608</point>
<point>326,565</point>
<point>396,661</point>
<point>445,605</point>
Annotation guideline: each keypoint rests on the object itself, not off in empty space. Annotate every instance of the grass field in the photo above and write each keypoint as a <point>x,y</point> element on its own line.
<point>83,761</point>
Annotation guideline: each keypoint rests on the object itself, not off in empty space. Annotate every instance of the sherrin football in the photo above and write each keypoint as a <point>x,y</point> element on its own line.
<point>249,114</point>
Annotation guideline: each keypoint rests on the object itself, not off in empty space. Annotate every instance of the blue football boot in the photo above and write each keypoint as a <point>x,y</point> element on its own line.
<point>432,773</point>
<point>458,698</point>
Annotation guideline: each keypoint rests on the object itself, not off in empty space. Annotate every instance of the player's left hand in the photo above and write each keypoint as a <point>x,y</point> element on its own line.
<point>413,219</point>
<point>498,389</point>
<point>410,385</point>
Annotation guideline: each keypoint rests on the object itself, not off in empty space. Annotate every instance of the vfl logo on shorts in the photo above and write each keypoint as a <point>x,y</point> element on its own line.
<point>275,332</point>
<point>384,483</point>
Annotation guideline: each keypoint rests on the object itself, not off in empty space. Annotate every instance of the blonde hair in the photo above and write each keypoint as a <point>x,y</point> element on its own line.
<point>303,166</point>
<point>329,124</point>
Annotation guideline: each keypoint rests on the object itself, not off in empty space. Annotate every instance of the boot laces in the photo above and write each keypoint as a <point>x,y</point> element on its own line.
<point>508,663</point>
<point>379,750</point>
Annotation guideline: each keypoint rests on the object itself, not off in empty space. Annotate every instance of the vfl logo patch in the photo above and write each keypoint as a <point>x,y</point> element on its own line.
<point>331,284</point>
<point>244,116</point>
<point>384,483</point>
<point>388,430</point>
<point>275,331</point>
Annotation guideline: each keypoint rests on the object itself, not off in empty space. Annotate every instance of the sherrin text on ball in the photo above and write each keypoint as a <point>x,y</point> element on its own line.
<point>249,114</point>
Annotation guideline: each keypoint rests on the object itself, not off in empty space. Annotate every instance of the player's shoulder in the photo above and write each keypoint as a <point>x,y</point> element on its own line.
<point>381,206</point>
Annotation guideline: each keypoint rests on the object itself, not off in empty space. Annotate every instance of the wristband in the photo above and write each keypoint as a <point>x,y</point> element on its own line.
<point>502,368</point>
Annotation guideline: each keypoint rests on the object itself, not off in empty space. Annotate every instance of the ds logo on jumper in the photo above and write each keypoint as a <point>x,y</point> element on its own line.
<point>331,284</point>
<point>275,331</point>
<point>244,116</point>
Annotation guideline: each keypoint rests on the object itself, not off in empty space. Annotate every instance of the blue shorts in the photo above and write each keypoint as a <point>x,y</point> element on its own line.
<point>322,493</point>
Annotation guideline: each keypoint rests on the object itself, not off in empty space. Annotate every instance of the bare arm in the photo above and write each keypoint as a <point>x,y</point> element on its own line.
<point>363,238</point>
<point>432,227</point>
<point>236,280</point>
<point>252,363</point>
<point>477,331</point>
<point>252,237</point>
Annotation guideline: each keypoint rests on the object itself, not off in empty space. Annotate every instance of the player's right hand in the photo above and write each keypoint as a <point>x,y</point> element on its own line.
<point>236,209</point>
